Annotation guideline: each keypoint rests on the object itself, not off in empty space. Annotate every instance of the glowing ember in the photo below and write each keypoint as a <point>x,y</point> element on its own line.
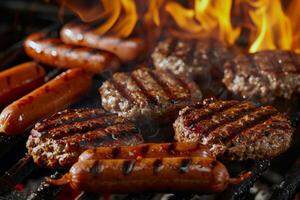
<point>271,27</point>
<point>20,187</point>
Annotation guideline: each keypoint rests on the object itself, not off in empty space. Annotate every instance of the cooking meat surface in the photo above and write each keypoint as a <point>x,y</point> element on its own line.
<point>148,94</point>
<point>235,130</point>
<point>195,58</point>
<point>58,140</point>
<point>264,75</point>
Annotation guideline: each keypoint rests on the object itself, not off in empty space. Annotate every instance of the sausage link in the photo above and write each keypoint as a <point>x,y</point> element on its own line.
<point>19,80</point>
<point>53,96</point>
<point>151,150</point>
<point>170,174</point>
<point>127,50</point>
<point>52,51</point>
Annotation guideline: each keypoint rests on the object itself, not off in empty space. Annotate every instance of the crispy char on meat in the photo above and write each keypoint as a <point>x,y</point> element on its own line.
<point>195,58</point>
<point>264,75</point>
<point>235,130</point>
<point>148,94</point>
<point>58,140</point>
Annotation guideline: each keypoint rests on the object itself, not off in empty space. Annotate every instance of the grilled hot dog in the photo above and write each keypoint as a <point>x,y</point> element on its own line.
<point>169,174</point>
<point>52,51</point>
<point>127,50</point>
<point>45,100</point>
<point>151,150</point>
<point>19,80</point>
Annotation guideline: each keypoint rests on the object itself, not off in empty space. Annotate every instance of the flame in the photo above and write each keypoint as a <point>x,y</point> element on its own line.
<point>273,27</point>
<point>268,24</point>
<point>207,17</point>
<point>153,13</point>
<point>293,14</point>
<point>113,10</point>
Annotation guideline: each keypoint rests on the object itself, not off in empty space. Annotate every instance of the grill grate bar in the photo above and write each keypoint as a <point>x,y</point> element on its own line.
<point>46,191</point>
<point>287,189</point>
<point>16,174</point>
<point>238,192</point>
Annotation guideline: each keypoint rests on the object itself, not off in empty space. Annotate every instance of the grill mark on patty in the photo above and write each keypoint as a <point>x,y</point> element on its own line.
<point>276,66</point>
<point>150,99</point>
<point>210,54</point>
<point>83,128</point>
<point>259,118</point>
<point>293,59</point>
<point>83,125</point>
<point>68,118</point>
<point>257,68</point>
<point>122,90</point>
<point>239,113</point>
<point>180,81</point>
<point>266,127</point>
<point>171,46</point>
<point>192,119</point>
<point>101,136</point>
<point>157,165</point>
<point>189,56</point>
<point>163,85</point>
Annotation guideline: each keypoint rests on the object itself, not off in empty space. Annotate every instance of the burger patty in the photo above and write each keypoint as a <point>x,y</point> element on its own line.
<point>235,130</point>
<point>146,94</point>
<point>57,141</point>
<point>264,75</point>
<point>194,58</point>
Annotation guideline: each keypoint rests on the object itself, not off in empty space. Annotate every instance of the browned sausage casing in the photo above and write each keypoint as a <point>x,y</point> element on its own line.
<point>53,96</point>
<point>52,51</point>
<point>19,80</point>
<point>151,150</point>
<point>170,174</point>
<point>127,50</point>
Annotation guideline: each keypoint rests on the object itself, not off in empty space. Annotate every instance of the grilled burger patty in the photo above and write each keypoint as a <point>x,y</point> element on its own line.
<point>235,130</point>
<point>194,58</point>
<point>148,94</point>
<point>58,140</point>
<point>264,75</point>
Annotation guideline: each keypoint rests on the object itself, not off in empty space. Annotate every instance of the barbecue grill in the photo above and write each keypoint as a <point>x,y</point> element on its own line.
<point>20,178</point>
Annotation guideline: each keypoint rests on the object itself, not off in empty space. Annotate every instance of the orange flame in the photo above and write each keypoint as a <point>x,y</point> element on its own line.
<point>293,13</point>
<point>270,27</point>
<point>273,28</point>
<point>205,18</point>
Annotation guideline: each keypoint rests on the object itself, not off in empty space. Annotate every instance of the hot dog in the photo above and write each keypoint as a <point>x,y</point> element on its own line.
<point>169,174</point>
<point>151,150</point>
<point>52,51</point>
<point>19,80</point>
<point>127,50</point>
<point>53,96</point>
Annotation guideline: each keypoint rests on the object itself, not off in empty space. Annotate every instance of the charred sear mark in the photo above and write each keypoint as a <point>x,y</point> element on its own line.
<point>128,166</point>
<point>171,148</point>
<point>150,99</point>
<point>172,46</point>
<point>156,77</point>
<point>116,152</point>
<point>258,119</point>
<point>157,165</point>
<point>192,119</point>
<point>122,90</point>
<point>96,168</point>
<point>145,150</point>
<point>185,165</point>
<point>189,56</point>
